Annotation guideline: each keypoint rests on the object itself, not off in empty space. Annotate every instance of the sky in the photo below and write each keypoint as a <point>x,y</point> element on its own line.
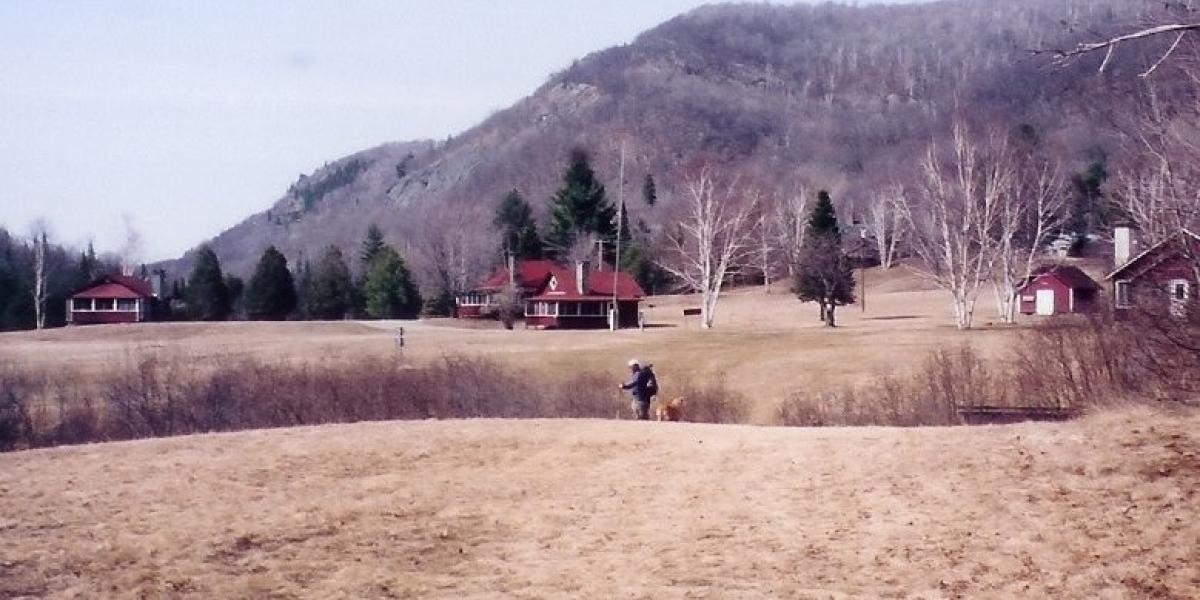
<point>180,119</point>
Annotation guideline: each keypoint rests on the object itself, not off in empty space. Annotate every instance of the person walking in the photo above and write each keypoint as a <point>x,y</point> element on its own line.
<point>643,385</point>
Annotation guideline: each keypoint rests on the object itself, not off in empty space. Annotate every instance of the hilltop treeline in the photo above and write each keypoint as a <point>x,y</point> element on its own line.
<point>826,97</point>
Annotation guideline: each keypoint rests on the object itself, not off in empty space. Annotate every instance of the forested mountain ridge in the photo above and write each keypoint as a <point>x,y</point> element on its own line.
<point>833,96</point>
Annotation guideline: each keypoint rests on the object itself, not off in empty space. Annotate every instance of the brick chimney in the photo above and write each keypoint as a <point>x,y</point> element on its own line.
<point>581,276</point>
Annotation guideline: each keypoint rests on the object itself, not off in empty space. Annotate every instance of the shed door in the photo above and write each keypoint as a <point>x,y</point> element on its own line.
<point>1045,302</point>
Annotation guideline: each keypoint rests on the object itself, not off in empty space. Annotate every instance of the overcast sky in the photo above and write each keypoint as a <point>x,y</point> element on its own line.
<point>189,116</point>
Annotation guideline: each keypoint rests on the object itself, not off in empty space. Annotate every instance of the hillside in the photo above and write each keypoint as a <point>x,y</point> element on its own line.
<point>835,96</point>
<point>1100,508</point>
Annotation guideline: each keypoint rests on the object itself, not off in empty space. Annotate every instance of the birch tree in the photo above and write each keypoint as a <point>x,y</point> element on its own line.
<point>1028,217</point>
<point>765,244</point>
<point>954,219</point>
<point>885,222</point>
<point>713,240</point>
<point>791,223</point>
<point>40,248</point>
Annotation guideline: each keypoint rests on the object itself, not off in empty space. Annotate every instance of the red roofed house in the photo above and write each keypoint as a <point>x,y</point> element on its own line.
<point>558,297</point>
<point>113,299</point>
<point>1057,290</point>
<point>1165,273</point>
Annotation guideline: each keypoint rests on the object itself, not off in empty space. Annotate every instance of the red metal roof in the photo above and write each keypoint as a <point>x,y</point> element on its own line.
<point>562,285</point>
<point>1071,277</point>
<point>116,286</point>
<point>531,275</point>
<point>536,276</point>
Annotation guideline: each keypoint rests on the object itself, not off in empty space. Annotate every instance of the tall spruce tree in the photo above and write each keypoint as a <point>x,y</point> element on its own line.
<point>372,245</point>
<point>237,296</point>
<point>580,206</point>
<point>330,294</point>
<point>207,296</point>
<point>649,190</point>
<point>271,295</point>
<point>389,290</point>
<point>88,266</point>
<point>518,230</point>
<point>823,273</point>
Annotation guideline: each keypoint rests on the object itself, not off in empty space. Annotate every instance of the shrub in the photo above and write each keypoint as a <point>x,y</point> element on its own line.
<point>157,396</point>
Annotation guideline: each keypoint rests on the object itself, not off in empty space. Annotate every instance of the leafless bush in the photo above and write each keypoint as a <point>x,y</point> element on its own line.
<point>15,393</point>
<point>889,400</point>
<point>1075,365</point>
<point>713,402</point>
<point>586,396</point>
<point>158,396</point>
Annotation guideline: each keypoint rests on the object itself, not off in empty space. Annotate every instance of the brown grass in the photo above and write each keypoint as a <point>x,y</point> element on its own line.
<point>1104,507</point>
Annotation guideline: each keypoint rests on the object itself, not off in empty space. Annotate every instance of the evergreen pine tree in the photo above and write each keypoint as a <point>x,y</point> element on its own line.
<point>237,293</point>
<point>88,266</point>
<point>824,274</point>
<point>271,295</point>
<point>331,292</point>
<point>579,207</point>
<point>372,245</point>
<point>649,190</point>
<point>519,236</point>
<point>207,296</point>
<point>823,219</point>
<point>388,289</point>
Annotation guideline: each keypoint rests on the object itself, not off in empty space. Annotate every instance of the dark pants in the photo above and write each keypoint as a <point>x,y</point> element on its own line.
<point>642,409</point>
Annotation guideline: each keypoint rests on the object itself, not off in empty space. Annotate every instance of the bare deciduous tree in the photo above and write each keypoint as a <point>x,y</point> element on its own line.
<point>40,235</point>
<point>131,250</point>
<point>1109,46</point>
<point>885,222</point>
<point>454,249</point>
<point>953,222</point>
<point>765,247</point>
<point>714,238</point>
<point>791,219</point>
<point>1028,215</point>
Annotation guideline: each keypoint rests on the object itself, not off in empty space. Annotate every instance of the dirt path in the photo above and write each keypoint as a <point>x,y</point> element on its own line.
<point>1103,508</point>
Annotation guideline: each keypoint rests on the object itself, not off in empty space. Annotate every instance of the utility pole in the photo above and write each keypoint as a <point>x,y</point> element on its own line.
<point>616,312</point>
<point>862,276</point>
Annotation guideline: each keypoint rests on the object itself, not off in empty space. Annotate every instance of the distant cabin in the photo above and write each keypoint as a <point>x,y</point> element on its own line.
<point>1058,290</point>
<point>114,299</point>
<point>1162,277</point>
<point>558,297</point>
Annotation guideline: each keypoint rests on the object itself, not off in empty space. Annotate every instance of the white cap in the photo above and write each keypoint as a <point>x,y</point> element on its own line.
<point>633,362</point>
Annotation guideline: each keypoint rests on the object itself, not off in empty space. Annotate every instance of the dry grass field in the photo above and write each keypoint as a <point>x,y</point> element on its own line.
<point>763,345</point>
<point>1105,507</point>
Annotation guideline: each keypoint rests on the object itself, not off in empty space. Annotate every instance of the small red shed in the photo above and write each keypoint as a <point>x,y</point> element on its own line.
<point>112,299</point>
<point>1057,290</point>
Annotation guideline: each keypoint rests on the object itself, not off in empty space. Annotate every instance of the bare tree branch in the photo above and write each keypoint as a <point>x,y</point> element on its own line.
<point>1064,56</point>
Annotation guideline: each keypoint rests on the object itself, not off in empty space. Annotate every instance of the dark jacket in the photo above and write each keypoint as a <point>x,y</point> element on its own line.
<point>640,384</point>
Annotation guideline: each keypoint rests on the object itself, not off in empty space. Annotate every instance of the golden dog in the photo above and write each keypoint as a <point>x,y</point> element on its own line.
<point>671,410</point>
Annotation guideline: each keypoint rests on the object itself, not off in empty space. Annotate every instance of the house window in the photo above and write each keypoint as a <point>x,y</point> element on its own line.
<point>81,304</point>
<point>104,304</point>
<point>541,309</point>
<point>593,309</point>
<point>1179,290</point>
<point>1124,298</point>
<point>474,299</point>
<point>126,304</point>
